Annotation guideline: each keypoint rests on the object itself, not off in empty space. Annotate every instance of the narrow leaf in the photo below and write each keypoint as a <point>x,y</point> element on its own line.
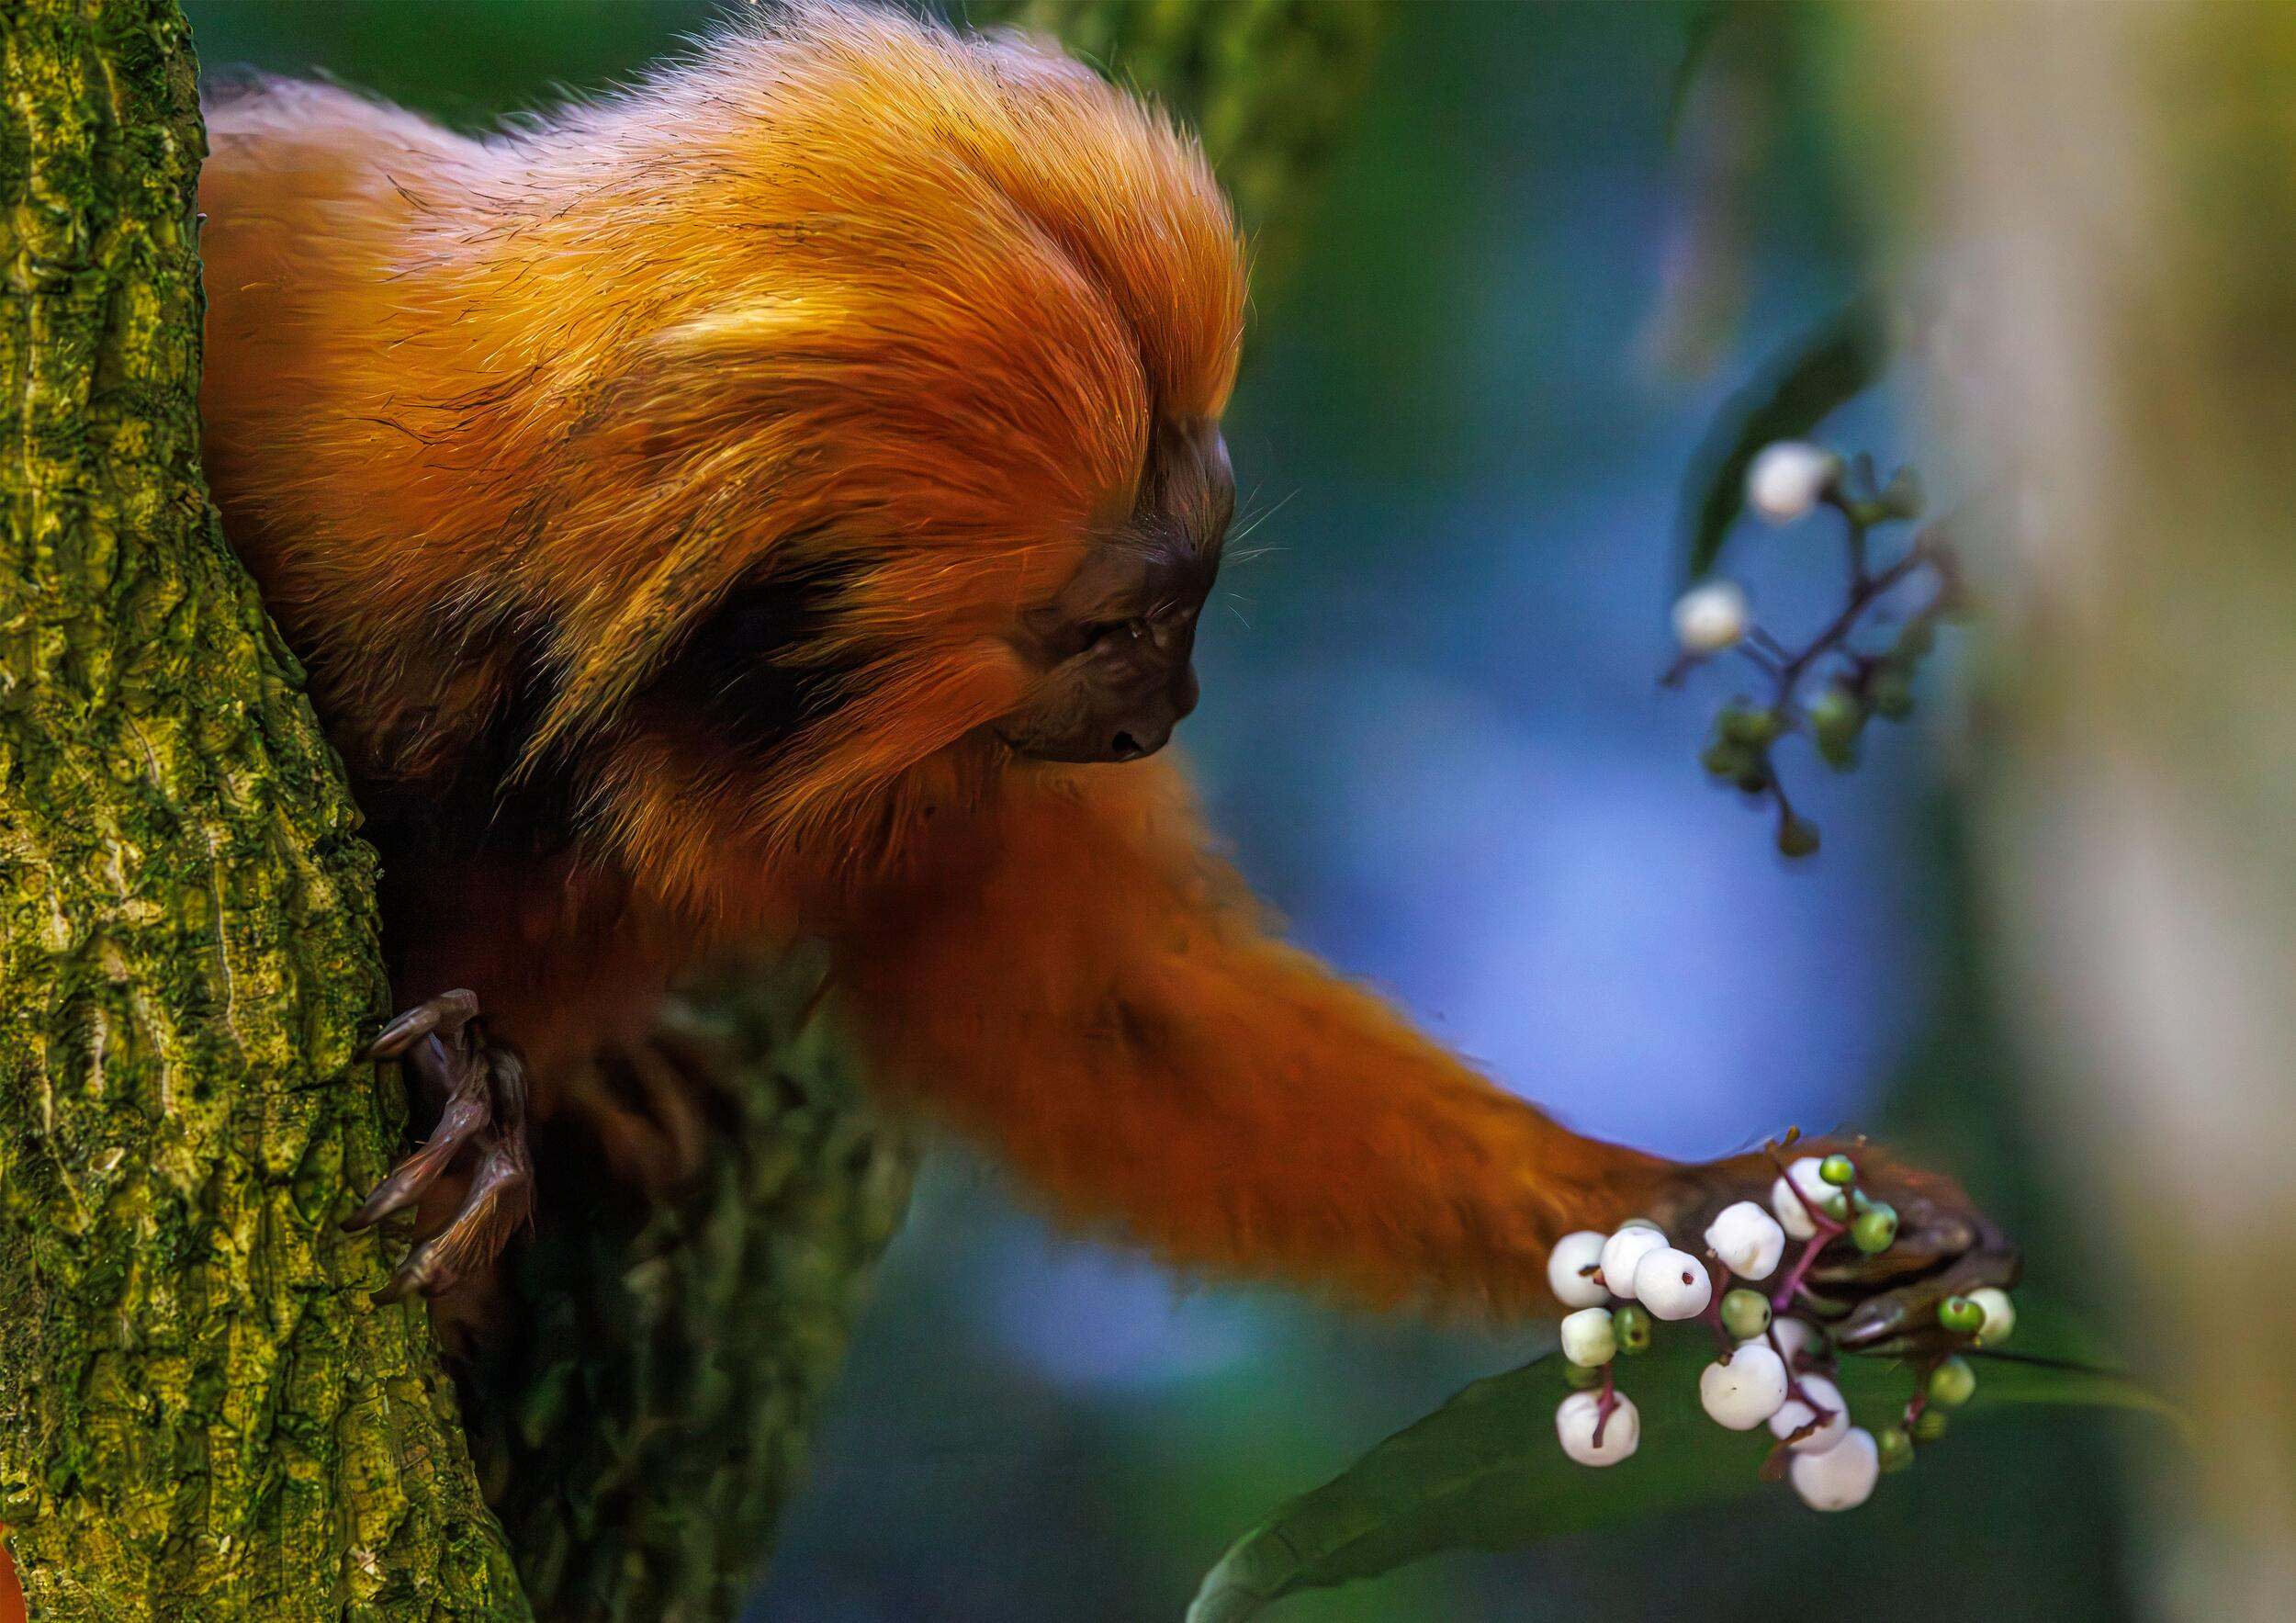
<point>1484,1471</point>
<point>2005,1378</point>
<point>1797,391</point>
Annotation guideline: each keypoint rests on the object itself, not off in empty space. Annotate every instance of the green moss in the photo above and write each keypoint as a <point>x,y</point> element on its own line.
<point>641,1420</point>
<point>200,1416</point>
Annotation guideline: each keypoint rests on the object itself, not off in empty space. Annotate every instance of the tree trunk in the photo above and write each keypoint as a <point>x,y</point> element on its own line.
<point>640,1415</point>
<point>200,1415</point>
<point>2117,182</point>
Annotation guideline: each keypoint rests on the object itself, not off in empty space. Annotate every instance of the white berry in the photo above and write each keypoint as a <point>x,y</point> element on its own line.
<point>1788,479</point>
<point>1745,1391</point>
<point>1748,1240</point>
<point>1622,1251</point>
<point>1587,1338</point>
<point>1842,1478</point>
<point>1793,1215</point>
<point>1574,1424</point>
<point>1793,1414</point>
<point>2000,1314</point>
<point>1672,1284</point>
<point>1711,616</point>
<point>1794,1337</point>
<point>1574,1269</point>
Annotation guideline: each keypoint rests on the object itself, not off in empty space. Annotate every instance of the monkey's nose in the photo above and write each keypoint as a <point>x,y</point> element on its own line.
<point>1143,736</point>
<point>1149,727</point>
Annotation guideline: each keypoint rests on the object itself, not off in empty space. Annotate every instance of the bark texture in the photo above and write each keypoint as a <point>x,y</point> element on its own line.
<point>640,1418</point>
<point>200,1415</point>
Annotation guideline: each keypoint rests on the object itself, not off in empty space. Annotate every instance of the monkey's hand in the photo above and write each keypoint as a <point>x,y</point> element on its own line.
<point>481,1089</point>
<point>1883,1302</point>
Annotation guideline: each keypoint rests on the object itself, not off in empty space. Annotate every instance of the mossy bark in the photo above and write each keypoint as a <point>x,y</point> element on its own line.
<point>640,1416</point>
<point>201,1418</point>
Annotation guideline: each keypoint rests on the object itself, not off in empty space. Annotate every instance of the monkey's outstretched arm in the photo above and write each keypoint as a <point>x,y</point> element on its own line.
<point>1085,987</point>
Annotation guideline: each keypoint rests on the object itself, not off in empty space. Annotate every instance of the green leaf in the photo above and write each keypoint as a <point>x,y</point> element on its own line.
<point>1484,1471</point>
<point>1797,391</point>
<point>2006,1379</point>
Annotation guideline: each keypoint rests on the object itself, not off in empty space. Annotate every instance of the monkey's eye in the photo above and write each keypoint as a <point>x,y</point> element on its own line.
<point>1114,632</point>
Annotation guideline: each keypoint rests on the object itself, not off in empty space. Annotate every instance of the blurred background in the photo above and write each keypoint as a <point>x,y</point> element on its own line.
<point>1544,254</point>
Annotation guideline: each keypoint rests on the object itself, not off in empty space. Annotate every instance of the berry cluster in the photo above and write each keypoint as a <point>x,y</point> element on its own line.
<point>1772,1369</point>
<point>1787,481</point>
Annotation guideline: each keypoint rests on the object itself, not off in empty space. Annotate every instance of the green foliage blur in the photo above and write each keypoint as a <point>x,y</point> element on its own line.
<point>1465,331</point>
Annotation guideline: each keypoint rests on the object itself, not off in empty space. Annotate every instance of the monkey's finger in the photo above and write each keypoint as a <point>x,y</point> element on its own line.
<point>470,1110</point>
<point>446,1014</point>
<point>1931,1240</point>
<point>1903,1319</point>
<point>501,1194</point>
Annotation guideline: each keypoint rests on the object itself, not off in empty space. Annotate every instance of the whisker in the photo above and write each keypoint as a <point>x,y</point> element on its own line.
<point>1259,519</point>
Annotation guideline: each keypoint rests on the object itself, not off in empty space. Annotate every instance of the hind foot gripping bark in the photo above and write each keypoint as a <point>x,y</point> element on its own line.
<point>483,1088</point>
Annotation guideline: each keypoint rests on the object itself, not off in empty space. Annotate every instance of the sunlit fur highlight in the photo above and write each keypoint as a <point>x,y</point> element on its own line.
<point>509,415</point>
<point>850,286</point>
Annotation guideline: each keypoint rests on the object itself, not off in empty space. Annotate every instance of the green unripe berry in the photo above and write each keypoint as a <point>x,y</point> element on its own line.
<point>1726,760</point>
<point>1753,729</point>
<point>1581,1376</point>
<point>1755,778</point>
<point>1836,718</point>
<point>1952,1383</point>
<point>1961,1315</point>
<point>1797,836</point>
<point>1839,1170</point>
<point>1876,1228</point>
<point>1836,1206</point>
<point>1895,1444</point>
<point>1744,1314</point>
<point>1630,1322</point>
<point>1930,1426</point>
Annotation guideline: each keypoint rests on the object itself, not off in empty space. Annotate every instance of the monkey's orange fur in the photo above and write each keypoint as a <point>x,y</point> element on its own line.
<point>856,290</point>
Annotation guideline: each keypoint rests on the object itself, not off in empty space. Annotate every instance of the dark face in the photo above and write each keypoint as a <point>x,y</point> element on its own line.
<point>1116,644</point>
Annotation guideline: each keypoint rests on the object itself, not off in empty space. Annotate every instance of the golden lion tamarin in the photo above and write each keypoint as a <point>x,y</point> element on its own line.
<point>774,503</point>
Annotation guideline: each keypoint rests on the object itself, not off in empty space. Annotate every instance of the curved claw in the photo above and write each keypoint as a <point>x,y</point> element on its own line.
<point>446,1014</point>
<point>500,1195</point>
<point>484,1087</point>
<point>469,1112</point>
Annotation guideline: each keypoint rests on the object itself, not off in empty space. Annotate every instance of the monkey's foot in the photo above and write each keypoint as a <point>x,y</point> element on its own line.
<point>483,1086</point>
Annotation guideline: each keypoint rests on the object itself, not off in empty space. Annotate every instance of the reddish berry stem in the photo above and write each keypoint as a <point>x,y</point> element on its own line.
<point>1827,1230</point>
<point>1605,1405</point>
